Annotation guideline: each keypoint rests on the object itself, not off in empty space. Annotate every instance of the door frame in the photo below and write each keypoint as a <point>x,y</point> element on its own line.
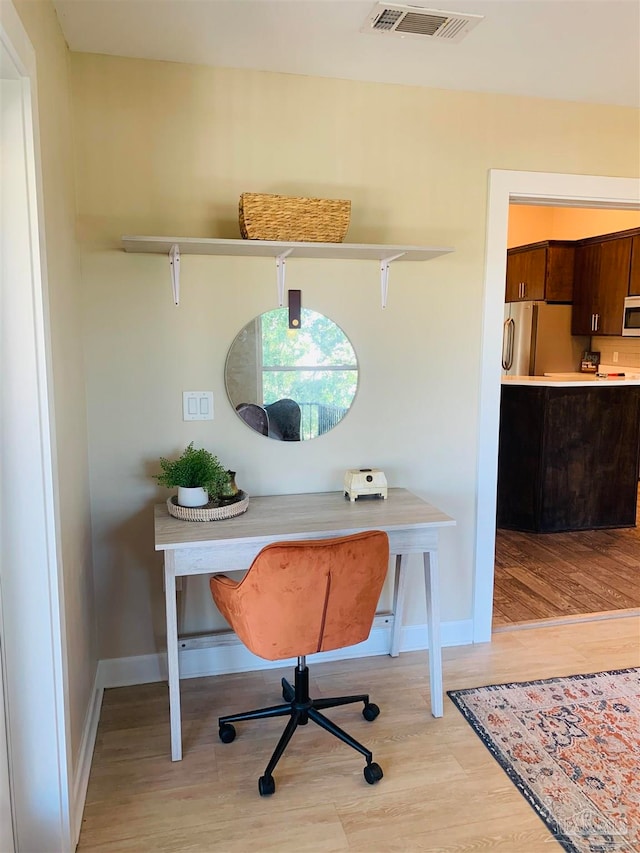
<point>33,640</point>
<point>514,187</point>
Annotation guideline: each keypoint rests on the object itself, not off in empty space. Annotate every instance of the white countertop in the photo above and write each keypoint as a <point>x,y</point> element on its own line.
<point>571,380</point>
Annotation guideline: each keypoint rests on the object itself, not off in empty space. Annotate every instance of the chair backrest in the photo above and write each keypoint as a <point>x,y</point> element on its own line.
<point>254,415</point>
<point>284,419</point>
<point>309,596</point>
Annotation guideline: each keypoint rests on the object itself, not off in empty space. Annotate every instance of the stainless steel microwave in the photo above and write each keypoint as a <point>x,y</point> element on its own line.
<point>631,317</point>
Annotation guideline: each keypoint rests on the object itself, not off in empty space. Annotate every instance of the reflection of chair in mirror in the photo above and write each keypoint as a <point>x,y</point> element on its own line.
<point>299,598</point>
<point>284,420</point>
<point>255,416</point>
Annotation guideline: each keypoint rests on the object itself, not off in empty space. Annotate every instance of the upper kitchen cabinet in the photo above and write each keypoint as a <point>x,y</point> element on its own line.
<point>634,275</point>
<point>540,271</point>
<point>601,282</point>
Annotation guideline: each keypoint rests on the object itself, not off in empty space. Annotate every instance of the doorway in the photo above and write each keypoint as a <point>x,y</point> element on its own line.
<point>565,576</point>
<point>505,188</point>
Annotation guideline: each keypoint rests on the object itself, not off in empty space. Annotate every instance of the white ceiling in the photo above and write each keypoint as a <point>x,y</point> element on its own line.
<point>575,50</point>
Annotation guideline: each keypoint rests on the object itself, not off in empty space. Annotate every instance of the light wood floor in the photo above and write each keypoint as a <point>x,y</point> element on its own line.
<point>550,575</point>
<point>442,790</point>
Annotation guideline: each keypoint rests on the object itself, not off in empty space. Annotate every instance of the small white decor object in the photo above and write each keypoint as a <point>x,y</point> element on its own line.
<point>365,481</point>
<point>196,496</point>
<point>210,512</point>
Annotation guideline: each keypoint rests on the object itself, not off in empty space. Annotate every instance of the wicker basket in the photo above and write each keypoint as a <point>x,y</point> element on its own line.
<point>279,217</point>
<point>208,512</point>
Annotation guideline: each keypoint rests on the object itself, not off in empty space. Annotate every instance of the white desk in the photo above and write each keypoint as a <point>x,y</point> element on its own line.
<point>205,548</point>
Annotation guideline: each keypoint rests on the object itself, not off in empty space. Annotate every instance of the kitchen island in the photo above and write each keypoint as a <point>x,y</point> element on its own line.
<point>569,453</point>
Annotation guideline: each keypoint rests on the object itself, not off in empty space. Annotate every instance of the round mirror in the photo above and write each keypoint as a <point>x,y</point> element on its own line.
<point>291,384</point>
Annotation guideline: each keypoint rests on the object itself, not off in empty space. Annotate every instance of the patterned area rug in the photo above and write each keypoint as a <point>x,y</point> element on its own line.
<point>572,747</point>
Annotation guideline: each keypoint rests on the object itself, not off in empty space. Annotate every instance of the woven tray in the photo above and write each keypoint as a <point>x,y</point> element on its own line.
<point>208,512</point>
<point>280,217</point>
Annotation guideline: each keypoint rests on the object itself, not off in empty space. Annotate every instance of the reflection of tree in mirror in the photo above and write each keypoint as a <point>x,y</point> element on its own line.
<point>314,365</point>
<point>316,343</point>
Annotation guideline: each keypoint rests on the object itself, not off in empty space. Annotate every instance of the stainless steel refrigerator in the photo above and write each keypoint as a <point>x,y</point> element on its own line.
<point>537,339</point>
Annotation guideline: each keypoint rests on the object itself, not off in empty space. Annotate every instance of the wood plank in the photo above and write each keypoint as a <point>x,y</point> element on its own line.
<point>138,800</point>
<point>567,574</point>
<point>559,598</point>
<point>274,248</point>
<point>316,514</point>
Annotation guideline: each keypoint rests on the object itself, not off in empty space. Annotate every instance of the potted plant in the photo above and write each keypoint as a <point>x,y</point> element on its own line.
<point>198,475</point>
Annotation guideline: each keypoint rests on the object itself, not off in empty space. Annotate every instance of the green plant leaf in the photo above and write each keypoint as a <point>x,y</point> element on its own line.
<point>195,468</point>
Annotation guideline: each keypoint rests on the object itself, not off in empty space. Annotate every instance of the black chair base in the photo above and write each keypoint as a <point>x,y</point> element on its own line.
<point>301,708</point>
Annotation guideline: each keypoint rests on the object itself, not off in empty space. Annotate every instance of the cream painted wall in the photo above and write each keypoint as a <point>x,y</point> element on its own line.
<point>165,148</point>
<point>64,322</point>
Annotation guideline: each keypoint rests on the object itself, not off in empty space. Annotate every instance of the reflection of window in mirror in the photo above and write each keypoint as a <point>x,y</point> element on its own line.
<point>304,379</point>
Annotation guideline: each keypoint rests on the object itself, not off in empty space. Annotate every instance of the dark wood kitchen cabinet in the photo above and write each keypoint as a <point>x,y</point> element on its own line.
<point>601,282</point>
<point>540,271</point>
<point>568,457</point>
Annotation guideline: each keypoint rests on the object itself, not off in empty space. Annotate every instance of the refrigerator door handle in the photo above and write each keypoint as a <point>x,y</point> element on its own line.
<point>508,333</point>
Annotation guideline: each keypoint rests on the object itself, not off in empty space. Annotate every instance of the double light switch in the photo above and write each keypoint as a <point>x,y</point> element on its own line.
<point>197,405</point>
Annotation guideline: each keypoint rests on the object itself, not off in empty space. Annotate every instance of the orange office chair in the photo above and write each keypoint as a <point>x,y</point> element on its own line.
<point>299,598</point>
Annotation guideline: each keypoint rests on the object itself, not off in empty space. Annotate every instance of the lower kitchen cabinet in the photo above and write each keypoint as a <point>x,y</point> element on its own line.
<point>568,457</point>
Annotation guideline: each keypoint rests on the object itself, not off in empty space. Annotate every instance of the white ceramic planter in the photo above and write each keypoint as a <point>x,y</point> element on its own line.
<point>192,497</point>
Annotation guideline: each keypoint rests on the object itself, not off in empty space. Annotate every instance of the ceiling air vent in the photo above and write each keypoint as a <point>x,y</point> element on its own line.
<point>395,20</point>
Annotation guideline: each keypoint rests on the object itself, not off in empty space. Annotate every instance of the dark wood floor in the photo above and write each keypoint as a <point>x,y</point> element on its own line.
<point>551,575</point>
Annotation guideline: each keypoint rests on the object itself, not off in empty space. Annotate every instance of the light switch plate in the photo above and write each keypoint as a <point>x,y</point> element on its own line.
<point>197,405</point>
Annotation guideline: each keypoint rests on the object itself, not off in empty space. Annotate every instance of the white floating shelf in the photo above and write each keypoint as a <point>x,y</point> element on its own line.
<point>173,247</point>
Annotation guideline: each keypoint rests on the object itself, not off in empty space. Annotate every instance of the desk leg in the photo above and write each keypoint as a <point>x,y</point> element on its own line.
<point>398,603</point>
<point>172,655</point>
<point>432,589</point>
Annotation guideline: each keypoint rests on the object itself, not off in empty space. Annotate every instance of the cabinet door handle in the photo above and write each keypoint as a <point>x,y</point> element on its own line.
<point>597,322</point>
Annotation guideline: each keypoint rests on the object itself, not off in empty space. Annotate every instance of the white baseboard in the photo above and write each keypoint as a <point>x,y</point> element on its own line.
<point>85,756</point>
<point>229,655</point>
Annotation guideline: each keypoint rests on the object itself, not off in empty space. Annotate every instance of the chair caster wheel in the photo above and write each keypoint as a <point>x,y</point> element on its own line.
<point>267,785</point>
<point>227,733</point>
<point>373,773</point>
<point>370,711</point>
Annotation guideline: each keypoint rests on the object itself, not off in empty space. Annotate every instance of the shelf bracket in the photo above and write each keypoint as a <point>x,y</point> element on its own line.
<point>385,263</point>
<point>280,271</point>
<point>174,263</point>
